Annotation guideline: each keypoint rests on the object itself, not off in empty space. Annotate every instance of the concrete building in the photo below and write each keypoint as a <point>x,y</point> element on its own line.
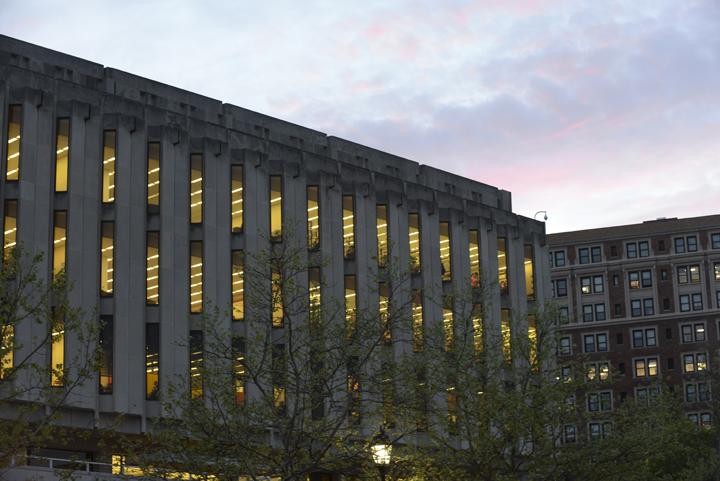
<point>149,195</point>
<point>642,301</point>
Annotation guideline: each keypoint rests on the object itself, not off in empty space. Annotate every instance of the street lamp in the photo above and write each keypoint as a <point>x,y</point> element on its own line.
<point>541,212</point>
<point>381,450</point>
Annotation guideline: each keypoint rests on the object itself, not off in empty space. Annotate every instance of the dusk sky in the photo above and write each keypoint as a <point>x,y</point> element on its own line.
<point>600,112</point>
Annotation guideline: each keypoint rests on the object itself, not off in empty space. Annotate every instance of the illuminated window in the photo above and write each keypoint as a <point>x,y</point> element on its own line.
<point>532,340</point>
<point>314,289</point>
<point>10,228</point>
<point>474,250</point>
<point>238,285</point>
<point>445,261</point>
<point>152,268</point>
<point>196,364</point>
<point>57,349</point>
<point>106,355</point>
<point>348,226</point>
<point>383,308</point>
<point>277,299</point>
<point>237,187</point>
<point>478,328</point>
<point>196,189</point>
<point>196,276</point>
<point>529,272</point>
<point>62,154</point>
<point>153,173</point>
<point>381,219</point>
<point>313,216</point>
<point>275,208</point>
<point>238,346</point>
<point>414,241</point>
<point>152,361</point>
<point>502,265</point>
<point>418,333</point>
<point>8,346</point>
<point>59,240</point>
<point>452,406</point>
<point>448,323</point>
<point>506,334</point>
<point>350,305</point>
<point>108,167</point>
<point>13,136</point>
<point>107,239</point>
<point>354,393</point>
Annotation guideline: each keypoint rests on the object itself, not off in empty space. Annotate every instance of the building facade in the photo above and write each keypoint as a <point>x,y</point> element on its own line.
<point>149,197</point>
<point>642,302</point>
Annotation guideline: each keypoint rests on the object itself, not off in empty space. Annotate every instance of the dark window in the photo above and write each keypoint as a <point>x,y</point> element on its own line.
<point>618,310</point>
<point>679,245</point>
<point>618,338</point>
<point>670,363</point>
<point>666,304</point>
<point>565,346</point>
<point>715,240</point>
<point>621,367</point>
<point>599,312</point>
<point>615,280</point>
<point>152,361</point>
<point>596,253</point>
<point>668,333</point>
<point>638,340</point>
<point>599,284</point>
<point>692,244</point>
<point>661,245</point>
<point>587,313</point>
<point>613,251</point>
<point>648,307</point>
<point>646,278</point>
<point>644,248</point>
<point>106,355</point>
<point>584,255</point>
<point>635,308</point>
<point>631,250</point>
<point>560,287</point>
<point>697,303</point>
<point>684,302</point>
<point>559,258</point>
<point>663,274</point>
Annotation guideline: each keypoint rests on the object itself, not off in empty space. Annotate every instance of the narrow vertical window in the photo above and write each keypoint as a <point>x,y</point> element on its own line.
<point>502,265</point>
<point>238,285</point>
<point>529,271</point>
<point>381,221</point>
<point>506,334</point>
<point>10,228</point>
<point>348,226</point>
<point>532,340</point>
<point>237,187</point>
<point>448,323</point>
<point>196,276</point>
<point>314,289</point>
<point>106,355</point>
<point>152,268</point>
<point>478,327</point>
<point>108,167</point>
<point>62,154</point>
<point>354,390</point>
<point>59,240</point>
<point>276,208</point>
<point>196,364</point>
<point>452,406</point>
<point>418,325</point>
<point>13,136</point>
<point>279,377</point>
<point>474,251</point>
<point>7,338</point>
<point>152,361</point>
<point>445,261</point>
<point>278,313</point>
<point>383,308</point>
<point>238,348</point>
<point>313,217</point>
<point>196,189</point>
<point>414,242</point>
<point>153,173</point>
<point>107,240</point>
<point>350,305</point>
<point>57,349</point>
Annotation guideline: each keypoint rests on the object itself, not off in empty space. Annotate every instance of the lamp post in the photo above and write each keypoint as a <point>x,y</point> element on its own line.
<point>381,450</point>
<point>541,212</point>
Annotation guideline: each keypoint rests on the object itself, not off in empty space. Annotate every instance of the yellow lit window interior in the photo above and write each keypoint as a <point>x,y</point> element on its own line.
<point>506,334</point>
<point>445,261</point>
<point>108,167</point>
<point>348,226</point>
<point>477,320</point>
<point>452,406</point>
<point>275,208</point>
<point>236,197</point>
<point>238,285</point>
<point>350,304</point>
<point>13,148</point>
<point>448,323</point>
<point>152,268</point>
<point>414,242</point>
<point>474,250</point>
<point>532,340</point>
<point>382,234</point>
<point>383,307</point>
<point>62,155</point>
<point>529,271</point>
<point>313,216</point>
<point>314,289</point>
<point>10,228</point>
<point>8,349</point>
<point>196,276</point>
<point>277,299</point>
<point>196,364</point>
<point>196,189</point>
<point>59,241</point>
<point>502,265</point>
<point>106,257</point>
<point>238,345</point>
<point>153,174</point>
<point>418,334</point>
<point>152,361</point>
<point>57,350</point>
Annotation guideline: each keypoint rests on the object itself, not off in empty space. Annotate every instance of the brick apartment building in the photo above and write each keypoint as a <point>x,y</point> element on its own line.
<point>641,301</point>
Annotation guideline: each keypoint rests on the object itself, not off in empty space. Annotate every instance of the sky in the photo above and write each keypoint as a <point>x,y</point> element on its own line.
<point>598,112</point>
